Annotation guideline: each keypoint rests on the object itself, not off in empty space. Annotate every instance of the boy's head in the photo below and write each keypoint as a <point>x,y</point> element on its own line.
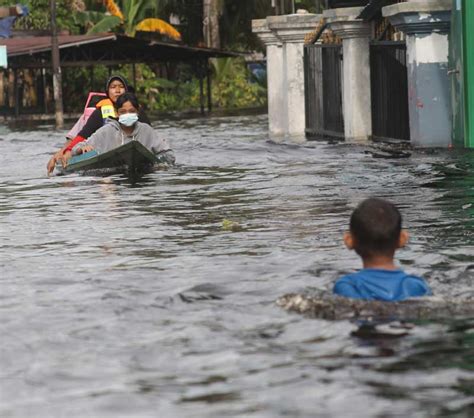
<point>375,229</point>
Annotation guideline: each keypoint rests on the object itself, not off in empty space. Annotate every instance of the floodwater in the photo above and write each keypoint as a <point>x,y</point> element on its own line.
<point>123,299</point>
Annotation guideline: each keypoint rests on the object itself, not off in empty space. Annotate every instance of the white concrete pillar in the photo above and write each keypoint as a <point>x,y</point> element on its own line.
<point>277,124</point>
<point>356,99</point>
<point>426,24</point>
<point>291,31</point>
<point>295,88</point>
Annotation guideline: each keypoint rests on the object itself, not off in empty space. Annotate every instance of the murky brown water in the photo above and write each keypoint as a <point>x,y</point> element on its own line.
<point>132,300</point>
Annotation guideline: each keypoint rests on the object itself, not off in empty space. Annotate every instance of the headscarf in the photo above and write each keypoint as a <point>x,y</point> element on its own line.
<point>115,77</point>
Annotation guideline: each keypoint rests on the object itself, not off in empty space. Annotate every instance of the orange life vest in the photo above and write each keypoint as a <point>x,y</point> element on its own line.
<point>107,108</point>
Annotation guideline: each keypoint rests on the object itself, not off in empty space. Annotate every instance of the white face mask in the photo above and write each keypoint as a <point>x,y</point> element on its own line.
<point>128,119</point>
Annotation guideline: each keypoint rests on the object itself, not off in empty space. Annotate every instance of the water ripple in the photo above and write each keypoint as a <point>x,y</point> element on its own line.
<point>124,299</point>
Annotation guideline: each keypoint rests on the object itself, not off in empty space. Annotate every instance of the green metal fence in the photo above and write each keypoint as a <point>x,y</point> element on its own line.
<point>456,73</point>
<point>468,58</point>
<point>462,72</point>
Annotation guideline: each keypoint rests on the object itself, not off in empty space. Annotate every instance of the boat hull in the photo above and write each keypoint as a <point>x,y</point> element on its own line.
<point>130,158</point>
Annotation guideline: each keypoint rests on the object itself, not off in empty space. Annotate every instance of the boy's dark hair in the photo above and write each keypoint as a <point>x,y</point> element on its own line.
<point>375,226</point>
<point>127,97</point>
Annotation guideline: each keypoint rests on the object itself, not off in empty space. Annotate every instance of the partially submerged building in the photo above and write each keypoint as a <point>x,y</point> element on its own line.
<point>381,69</point>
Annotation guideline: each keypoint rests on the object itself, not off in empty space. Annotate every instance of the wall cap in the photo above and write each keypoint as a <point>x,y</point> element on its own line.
<point>420,6</point>
<point>344,13</point>
<point>293,28</point>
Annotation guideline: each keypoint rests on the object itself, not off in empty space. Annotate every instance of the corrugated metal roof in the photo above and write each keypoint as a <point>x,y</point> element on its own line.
<point>127,46</point>
<point>35,44</point>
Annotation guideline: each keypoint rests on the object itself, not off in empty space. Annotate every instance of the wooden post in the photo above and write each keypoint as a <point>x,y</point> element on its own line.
<point>17,93</point>
<point>134,72</point>
<point>45,96</point>
<point>91,76</point>
<point>211,14</point>
<point>2,93</point>
<point>277,9</point>
<point>201,87</point>
<point>209,87</point>
<point>57,81</point>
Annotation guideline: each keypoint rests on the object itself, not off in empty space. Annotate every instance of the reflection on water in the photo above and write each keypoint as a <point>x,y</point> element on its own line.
<point>130,299</point>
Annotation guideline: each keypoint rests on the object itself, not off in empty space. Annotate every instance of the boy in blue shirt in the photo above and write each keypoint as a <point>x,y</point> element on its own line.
<point>375,234</point>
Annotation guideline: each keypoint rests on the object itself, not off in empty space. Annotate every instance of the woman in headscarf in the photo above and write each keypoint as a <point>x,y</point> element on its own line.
<point>116,85</point>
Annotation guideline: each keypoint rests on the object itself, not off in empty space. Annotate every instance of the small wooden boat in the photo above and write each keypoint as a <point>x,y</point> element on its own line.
<point>132,158</point>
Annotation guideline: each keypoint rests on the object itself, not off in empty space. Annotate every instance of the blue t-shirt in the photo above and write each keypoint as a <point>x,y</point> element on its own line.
<point>378,284</point>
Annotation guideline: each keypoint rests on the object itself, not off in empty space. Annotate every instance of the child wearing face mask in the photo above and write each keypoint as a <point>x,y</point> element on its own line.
<point>126,128</point>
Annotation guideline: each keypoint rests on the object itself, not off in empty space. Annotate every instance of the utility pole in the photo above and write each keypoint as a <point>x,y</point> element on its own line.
<point>468,59</point>
<point>211,14</point>
<point>57,79</point>
<point>275,6</point>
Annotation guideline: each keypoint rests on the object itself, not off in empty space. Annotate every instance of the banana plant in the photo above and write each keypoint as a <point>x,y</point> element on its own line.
<point>128,16</point>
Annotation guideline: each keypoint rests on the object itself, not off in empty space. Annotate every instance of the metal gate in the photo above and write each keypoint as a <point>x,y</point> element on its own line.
<point>456,71</point>
<point>461,71</point>
<point>323,90</point>
<point>389,90</point>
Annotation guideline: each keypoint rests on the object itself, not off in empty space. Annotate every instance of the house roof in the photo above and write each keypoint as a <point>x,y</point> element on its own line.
<point>107,49</point>
<point>36,44</point>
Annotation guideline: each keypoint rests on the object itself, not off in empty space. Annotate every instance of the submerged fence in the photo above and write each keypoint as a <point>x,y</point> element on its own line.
<point>389,91</point>
<point>29,91</point>
<point>323,90</point>
<point>23,92</point>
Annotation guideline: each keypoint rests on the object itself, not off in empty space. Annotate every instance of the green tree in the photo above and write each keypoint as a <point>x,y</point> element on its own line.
<point>38,17</point>
<point>236,22</point>
<point>126,16</point>
<point>190,14</point>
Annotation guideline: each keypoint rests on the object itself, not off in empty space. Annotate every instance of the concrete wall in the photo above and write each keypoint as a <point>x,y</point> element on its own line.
<point>428,90</point>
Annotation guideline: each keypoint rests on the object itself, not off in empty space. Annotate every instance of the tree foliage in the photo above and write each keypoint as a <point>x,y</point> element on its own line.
<point>232,85</point>
<point>127,16</point>
<point>81,16</point>
<point>158,25</point>
<point>104,24</point>
<point>39,15</point>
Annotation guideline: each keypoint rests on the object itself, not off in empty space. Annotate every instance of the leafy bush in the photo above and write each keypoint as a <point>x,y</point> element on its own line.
<point>231,87</point>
